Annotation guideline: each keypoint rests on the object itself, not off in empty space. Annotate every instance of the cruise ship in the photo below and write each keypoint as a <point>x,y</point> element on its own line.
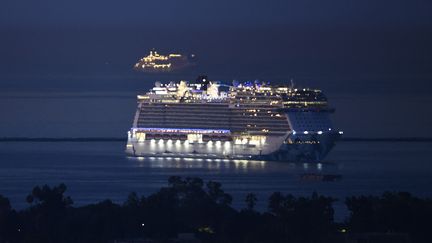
<point>249,120</point>
<point>156,62</point>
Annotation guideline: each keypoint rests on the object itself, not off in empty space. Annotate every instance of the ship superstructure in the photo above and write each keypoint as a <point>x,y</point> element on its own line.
<point>251,120</point>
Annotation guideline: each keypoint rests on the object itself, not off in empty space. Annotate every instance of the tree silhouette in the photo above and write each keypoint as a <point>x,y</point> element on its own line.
<point>391,212</point>
<point>8,221</point>
<point>251,200</point>
<point>5,206</point>
<point>191,205</point>
<point>51,198</point>
<point>217,194</point>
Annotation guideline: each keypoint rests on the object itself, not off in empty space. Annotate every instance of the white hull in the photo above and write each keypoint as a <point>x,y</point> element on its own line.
<point>276,149</point>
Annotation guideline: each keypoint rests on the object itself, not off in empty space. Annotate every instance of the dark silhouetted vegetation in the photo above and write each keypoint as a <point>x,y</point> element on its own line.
<point>190,205</point>
<point>392,213</point>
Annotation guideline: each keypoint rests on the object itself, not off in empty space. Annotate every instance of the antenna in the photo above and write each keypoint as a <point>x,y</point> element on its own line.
<point>292,83</point>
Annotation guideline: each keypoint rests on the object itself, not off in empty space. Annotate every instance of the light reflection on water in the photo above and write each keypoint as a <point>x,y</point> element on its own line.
<point>199,163</point>
<point>95,171</point>
<point>221,164</point>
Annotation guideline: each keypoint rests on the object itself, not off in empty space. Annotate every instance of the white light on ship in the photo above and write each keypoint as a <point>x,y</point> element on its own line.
<point>305,132</point>
<point>319,132</point>
<point>340,132</point>
<point>160,141</point>
<point>294,132</point>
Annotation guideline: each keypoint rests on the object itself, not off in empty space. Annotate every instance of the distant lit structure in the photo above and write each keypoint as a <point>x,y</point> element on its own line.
<point>250,120</point>
<point>156,62</point>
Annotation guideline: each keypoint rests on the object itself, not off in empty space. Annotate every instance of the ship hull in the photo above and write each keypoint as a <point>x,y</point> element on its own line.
<point>304,152</point>
<point>284,151</point>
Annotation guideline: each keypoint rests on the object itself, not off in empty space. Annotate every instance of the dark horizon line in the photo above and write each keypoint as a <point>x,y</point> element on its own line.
<point>123,139</point>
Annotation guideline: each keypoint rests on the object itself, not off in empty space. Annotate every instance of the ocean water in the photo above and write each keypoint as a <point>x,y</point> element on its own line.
<point>94,171</point>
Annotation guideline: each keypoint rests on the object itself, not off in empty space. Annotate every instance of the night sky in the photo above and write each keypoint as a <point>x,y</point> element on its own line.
<point>66,66</point>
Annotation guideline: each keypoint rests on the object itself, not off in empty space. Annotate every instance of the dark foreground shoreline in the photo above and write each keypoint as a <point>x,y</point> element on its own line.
<point>191,210</point>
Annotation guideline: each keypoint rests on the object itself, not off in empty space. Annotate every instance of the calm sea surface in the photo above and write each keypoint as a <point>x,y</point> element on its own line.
<point>94,171</point>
